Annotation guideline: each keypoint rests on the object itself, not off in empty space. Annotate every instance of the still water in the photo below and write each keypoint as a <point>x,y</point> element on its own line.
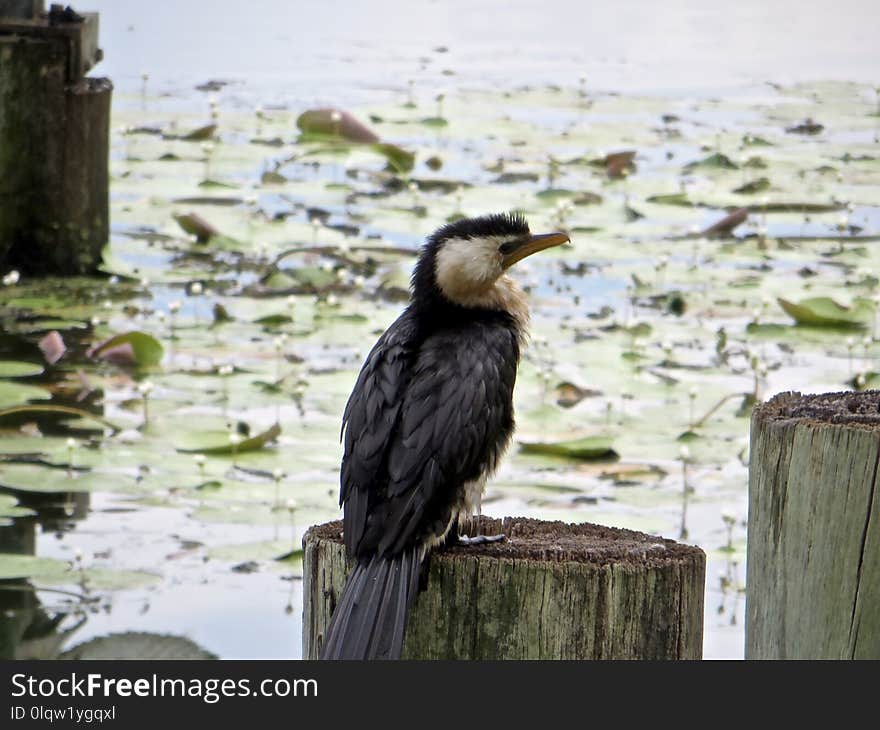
<point>351,54</point>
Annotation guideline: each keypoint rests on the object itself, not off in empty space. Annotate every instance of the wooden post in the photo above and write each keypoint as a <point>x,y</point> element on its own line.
<point>551,591</point>
<point>54,143</point>
<point>813,577</point>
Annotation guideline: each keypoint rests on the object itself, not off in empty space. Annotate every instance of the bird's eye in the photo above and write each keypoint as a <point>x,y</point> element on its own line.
<point>508,246</point>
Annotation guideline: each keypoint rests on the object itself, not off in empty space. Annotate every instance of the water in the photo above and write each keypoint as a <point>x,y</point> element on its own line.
<point>364,55</point>
<point>346,52</point>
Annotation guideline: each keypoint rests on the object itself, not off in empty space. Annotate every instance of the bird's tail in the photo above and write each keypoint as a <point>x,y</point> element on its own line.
<point>370,618</point>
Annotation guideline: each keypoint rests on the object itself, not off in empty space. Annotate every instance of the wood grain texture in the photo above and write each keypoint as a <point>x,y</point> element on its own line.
<point>551,591</point>
<point>813,576</point>
<point>54,148</point>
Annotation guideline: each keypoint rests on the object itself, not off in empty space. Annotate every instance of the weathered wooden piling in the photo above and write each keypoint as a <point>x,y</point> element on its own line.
<point>813,582</point>
<point>551,591</point>
<point>54,141</point>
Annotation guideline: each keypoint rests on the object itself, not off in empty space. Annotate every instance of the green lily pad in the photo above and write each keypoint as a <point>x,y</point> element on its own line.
<point>36,410</point>
<point>103,579</point>
<point>754,186</point>
<point>267,550</point>
<point>825,312</point>
<point>135,348</point>
<point>19,369</point>
<point>587,448</point>
<point>10,508</point>
<point>335,123</point>
<point>13,567</point>
<point>398,158</point>
<point>680,199</point>
<point>137,645</point>
<point>254,443</point>
<point>716,161</point>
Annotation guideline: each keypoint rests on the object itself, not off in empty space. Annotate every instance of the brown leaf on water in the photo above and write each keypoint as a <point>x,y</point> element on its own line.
<point>725,226</point>
<point>569,394</point>
<point>808,126</point>
<point>197,226</point>
<point>335,123</point>
<point>619,164</point>
<point>52,347</point>
<point>201,134</point>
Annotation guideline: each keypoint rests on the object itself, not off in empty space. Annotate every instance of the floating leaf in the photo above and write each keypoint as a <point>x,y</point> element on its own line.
<point>672,199</point>
<point>808,126</point>
<point>52,347</point>
<point>569,394</point>
<point>727,224</point>
<point>825,312</point>
<point>10,508</point>
<point>335,123</point>
<point>17,369</point>
<point>129,348</point>
<point>46,480</point>
<point>36,410</point>
<point>14,567</point>
<point>137,645</point>
<point>267,550</point>
<point>13,393</point>
<point>199,134</point>
<point>587,448</point>
<point>717,161</point>
<point>754,186</point>
<point>250,444</point>
<point>398,158</point>
<point>195,225</point>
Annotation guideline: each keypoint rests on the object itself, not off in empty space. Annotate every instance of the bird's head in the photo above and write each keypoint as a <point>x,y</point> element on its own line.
<point>464,262</point>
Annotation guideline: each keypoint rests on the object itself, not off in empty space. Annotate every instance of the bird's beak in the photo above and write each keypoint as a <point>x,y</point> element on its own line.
<point>532,245</point>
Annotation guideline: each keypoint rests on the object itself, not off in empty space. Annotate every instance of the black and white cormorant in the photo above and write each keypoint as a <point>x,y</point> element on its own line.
<point>428,420</point>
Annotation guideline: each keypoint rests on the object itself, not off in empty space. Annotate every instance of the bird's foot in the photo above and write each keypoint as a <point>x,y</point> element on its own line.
<point>479,539</point>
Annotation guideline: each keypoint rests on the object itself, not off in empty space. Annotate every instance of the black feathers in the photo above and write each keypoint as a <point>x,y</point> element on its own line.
<point>431,411</point>
<point>448,421</point>
<point>370,620</point>
<point>497,224</point>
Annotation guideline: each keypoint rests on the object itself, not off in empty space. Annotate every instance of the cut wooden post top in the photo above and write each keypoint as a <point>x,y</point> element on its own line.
<point>847,408</point>
<point>555,542</point>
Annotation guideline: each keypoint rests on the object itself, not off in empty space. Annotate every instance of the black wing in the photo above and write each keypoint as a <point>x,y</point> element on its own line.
<point>420,425</point>
<point>369,420</point>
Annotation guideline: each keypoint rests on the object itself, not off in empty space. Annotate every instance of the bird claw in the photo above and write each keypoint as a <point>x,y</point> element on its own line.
<point>479,539</point>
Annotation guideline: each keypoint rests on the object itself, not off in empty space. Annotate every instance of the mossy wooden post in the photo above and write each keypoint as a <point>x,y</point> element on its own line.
<point>551,591</point>
<point>813,577</point>
<point>54,142</point>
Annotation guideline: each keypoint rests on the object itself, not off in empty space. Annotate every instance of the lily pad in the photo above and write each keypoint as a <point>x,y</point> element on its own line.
<point>254,443</point>
<point>137,645</point>
<point>825,312</point>
<point>586,449</point>
<point>45,480</point>
<point>10,508</point>
<point>37,410</point>
<point>335,123</point>
<point>13,567</point>
<point>130,348</point>
<point>19,369</point>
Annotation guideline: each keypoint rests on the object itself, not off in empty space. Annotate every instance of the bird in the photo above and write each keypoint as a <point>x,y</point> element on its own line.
<point>427,422</point>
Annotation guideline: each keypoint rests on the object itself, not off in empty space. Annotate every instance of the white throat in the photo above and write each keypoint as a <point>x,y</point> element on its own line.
<point>469,273</point>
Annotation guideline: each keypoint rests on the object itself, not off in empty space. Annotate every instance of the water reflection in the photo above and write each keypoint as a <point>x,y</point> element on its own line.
<point>30,629</point>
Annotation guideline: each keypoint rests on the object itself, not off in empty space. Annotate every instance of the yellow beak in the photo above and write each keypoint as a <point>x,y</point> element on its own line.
<point>532,245</point>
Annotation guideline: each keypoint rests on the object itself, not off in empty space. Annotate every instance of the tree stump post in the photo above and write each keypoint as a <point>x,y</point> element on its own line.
<point>550,591</point>
<point>54,141</point>
<point>813,574</point>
